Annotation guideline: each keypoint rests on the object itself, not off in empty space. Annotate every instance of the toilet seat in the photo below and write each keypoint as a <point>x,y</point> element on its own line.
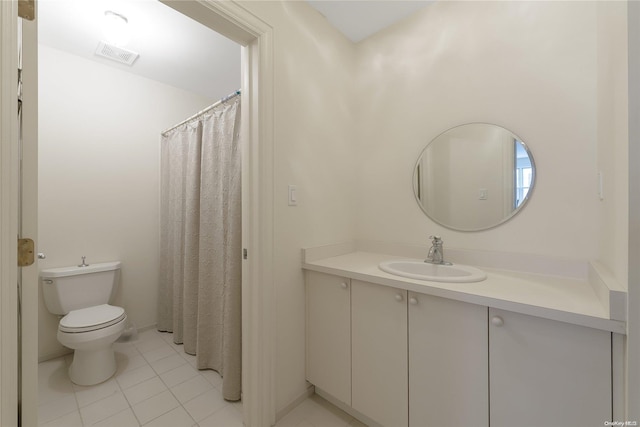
<point>91,318</point>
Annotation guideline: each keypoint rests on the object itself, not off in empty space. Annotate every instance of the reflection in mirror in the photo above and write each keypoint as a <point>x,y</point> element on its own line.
<point>524,173</point>
<point>474,177</point>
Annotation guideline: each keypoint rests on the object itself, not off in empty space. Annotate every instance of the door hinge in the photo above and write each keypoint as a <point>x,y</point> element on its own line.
<point>25,252</point>
<point>245,254</point>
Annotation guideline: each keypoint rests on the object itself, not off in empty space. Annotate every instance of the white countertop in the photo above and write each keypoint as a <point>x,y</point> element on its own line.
<point>557,298</point>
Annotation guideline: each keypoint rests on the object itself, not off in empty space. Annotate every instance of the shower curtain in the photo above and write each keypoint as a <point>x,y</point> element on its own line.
<point>200,241</point>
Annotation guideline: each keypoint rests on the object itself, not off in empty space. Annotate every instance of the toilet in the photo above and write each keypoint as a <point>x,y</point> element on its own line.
<point>90,325</point>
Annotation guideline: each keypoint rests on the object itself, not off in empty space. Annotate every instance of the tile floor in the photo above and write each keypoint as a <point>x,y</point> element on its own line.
<point>157,385</point>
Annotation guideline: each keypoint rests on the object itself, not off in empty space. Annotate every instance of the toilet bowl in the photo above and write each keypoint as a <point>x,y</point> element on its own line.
<point>90,332</point>
<point>90,325</point>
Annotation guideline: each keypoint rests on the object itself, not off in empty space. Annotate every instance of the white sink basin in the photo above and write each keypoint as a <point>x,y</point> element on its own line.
<point>434,272</point>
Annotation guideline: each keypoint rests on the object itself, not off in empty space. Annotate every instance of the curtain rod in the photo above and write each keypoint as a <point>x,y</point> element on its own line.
<point>199,113</point>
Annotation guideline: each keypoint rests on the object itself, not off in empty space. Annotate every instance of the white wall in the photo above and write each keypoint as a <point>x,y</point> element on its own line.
<point>613,137</point>
<point>99,175</point>
<point>530,67</point>
<point>314,149</point>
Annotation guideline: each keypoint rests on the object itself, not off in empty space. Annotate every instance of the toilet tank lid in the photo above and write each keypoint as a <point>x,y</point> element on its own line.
<point>75,270</point>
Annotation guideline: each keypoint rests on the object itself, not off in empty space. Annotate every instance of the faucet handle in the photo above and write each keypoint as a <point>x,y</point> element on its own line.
<point>436,239</point>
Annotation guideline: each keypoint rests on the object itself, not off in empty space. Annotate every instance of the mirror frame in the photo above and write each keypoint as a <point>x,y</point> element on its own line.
<point>506,218</point>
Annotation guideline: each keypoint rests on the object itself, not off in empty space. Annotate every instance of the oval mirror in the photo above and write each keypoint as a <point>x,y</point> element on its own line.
<point>474,177</point>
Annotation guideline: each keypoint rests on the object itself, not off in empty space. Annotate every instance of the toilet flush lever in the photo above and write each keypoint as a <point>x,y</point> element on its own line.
<point>84,264</point>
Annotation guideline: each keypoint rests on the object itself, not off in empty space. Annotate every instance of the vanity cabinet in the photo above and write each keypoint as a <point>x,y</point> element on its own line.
<point>379,353</point>
<point>547,373</point>
<point>448,359</point>
<point>408,359</point>
<point>329,334</point>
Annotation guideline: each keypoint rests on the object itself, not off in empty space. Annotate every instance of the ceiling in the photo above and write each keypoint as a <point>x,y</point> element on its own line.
<point>181,52</point>
<point>173,49</point>
<point>360,19</point>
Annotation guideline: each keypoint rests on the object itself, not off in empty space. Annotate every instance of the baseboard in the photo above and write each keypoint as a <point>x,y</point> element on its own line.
<point>346,408</point>
<point>284,411</point>
<point>146,328</point>
<point>54,355</point>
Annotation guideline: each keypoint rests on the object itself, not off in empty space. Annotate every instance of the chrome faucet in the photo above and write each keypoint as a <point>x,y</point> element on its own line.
<point>436,252</point>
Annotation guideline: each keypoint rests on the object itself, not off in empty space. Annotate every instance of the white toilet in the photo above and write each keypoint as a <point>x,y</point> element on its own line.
<point>90,325</point>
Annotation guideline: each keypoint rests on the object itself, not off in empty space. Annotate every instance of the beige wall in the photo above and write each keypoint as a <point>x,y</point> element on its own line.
<point>314,149</point>
<point>99,175</point>
<point>613,137</point>
<point>530,67</point>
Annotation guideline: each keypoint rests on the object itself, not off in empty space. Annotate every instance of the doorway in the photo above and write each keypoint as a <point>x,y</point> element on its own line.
<point>255,36</point>
<point>99,127</point>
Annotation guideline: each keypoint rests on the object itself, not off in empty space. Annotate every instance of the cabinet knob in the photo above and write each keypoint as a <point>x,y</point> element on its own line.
<point>398,297</point>
<point>497,321</point>
<point>344,285</point>
<point>413,301</point>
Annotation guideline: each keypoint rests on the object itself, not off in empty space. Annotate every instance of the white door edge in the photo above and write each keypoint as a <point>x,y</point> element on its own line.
<point>8,212</point>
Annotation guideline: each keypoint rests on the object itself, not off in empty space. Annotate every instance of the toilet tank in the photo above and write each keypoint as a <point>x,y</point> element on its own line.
<point>71,288</point>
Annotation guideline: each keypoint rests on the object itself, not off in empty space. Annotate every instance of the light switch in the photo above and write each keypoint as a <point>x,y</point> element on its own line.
<point>293,195</point>
<point>483,194</point>
<point>600,186</point>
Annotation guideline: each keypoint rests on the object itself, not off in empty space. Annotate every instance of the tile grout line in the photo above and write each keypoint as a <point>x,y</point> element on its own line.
<point>134,351</point>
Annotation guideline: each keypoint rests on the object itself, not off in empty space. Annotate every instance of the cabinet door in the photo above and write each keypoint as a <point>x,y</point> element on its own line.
<point>448,363</point>
<point>547,373</point>
<point>379,350</point>
<point>329,334</point>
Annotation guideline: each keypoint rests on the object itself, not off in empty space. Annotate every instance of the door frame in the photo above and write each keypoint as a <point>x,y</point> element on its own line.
<point>633,309</point>
<point>9,158</point>
<point>258,292</point>
<point>28,221</point>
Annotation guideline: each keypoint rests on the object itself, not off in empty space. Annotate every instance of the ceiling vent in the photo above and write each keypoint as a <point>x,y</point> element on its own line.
<point>117,54</point>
